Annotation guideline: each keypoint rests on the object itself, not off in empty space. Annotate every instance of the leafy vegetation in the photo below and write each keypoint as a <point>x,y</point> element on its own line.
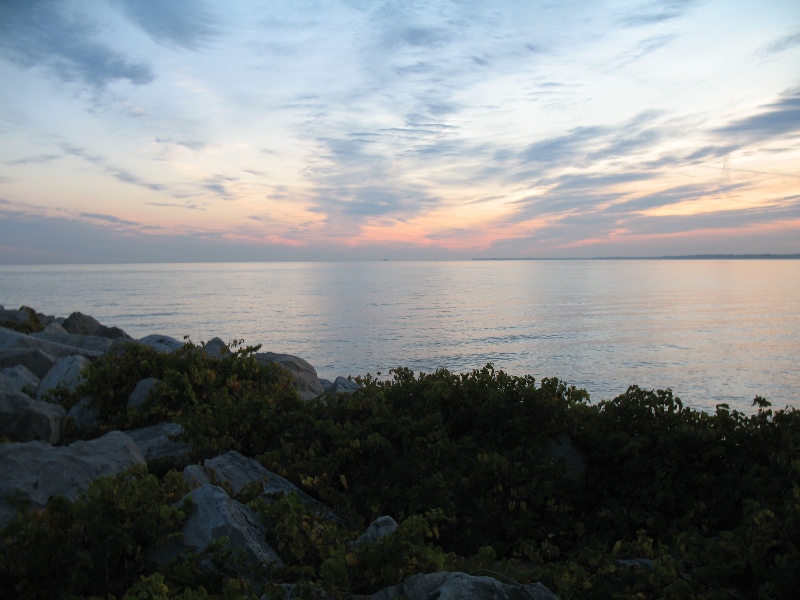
<point>669,502</point>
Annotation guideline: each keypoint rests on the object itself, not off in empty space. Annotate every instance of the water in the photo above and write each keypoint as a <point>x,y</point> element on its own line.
<point>712,330</point>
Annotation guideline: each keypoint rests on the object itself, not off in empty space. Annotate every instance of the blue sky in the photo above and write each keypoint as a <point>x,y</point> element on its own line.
<point>174,131</point>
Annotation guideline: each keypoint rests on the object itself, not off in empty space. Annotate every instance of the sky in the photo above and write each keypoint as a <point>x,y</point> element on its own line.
<point>172,131</point>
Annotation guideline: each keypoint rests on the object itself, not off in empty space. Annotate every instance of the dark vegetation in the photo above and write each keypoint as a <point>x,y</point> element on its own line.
<point>460,461</point>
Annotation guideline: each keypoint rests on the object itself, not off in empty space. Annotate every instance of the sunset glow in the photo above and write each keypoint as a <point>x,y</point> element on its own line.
<point>135,132</point>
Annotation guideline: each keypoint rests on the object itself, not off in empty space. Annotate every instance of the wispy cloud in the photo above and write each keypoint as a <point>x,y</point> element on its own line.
<point>172,22</point>
<point>66,43</point>
<point>777,120</point>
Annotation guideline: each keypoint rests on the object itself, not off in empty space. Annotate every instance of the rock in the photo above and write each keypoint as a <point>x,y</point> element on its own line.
<point>89,343</point>
<point>83,415</point>
<point>216,347</point>
<point>35,360</point>
<point>326,384</point>
<point>216,515</point>
<point>162,343</point>
<point>636,563</point>
<point>36,471</point>
<point>18,379</point>
<point>303,374</point>
<point>343,385</point>
<point>66,373</point>
<point>54,329</point>
<point>24,419</point>
<point>155,442</point>
<point>457,586</point>
<point>560,447</point>
<point>141,392</point>
<point>380,527</point>
<point>86,325</point>
<point>14,317</point>
<point>11,341</point>
<point>239,470</point>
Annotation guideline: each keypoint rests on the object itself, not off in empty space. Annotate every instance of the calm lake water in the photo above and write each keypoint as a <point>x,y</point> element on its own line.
<point>712,330</point>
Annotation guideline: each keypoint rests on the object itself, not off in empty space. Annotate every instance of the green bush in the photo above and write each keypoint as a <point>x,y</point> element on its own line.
<point>461,461</point>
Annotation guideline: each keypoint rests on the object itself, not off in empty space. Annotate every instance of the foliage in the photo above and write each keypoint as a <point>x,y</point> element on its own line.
<point>705,505</point>
<point>92,546</point>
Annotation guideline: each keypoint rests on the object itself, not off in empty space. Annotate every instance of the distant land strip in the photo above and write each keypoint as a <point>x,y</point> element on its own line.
<point>681,257</point>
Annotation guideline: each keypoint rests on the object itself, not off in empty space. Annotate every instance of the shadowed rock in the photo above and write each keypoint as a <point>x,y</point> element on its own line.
<point>214,516</point>
<point>239,470</point>
<point>155,442</point>
<point>18,379</point>
<point>86,325</point>
<point>66,374</point>
<point>24,419</point>
<point>303,374</point>
<point>141,392</point>
<point>35,471</point>
<point>457,586</point>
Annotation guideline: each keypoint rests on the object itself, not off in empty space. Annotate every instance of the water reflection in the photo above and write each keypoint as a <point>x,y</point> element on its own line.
<point>714,331</point>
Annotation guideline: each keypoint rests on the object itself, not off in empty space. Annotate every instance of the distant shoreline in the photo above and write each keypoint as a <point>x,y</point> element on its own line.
<point>680,257</point>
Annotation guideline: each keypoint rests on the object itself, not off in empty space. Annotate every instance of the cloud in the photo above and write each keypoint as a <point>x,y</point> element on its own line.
<point>563,147</point>
<point>108,219</point>
<point>126,177</point>
<point>658,11</point>
<point>172,22</point>
<point>32,160</point>
<point>187,205</point>
<point>784,43</point>
<point>43,34</point>
<point>773,121</point>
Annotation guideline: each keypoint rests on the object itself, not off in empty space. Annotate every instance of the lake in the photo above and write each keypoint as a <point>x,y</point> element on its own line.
<point>712,330</point>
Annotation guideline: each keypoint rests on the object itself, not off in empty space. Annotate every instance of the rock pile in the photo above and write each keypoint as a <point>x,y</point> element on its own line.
<point>40,355</point>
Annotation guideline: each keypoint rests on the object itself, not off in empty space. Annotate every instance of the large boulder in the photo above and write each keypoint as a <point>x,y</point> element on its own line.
<point>303,374</point>
<point>379,528</point>
<point>162,343</point>
<point>18,379</point>
<point>214,516</point>
<point>86,325</point>
<point>15,342</point>
<point>343,385</point>
<point>33,472</point>
<point>88,343</point>
<point>24,419</point>
<point>157,442</point>
<point>457,586</point>
<point>216,347</point>
<point>238,470</point>
<point>36,360</point>
<point>65,374</point>
<point>561,448</point>
<point>14,318</point>
<point>141,392</point>
<point>83,416</point>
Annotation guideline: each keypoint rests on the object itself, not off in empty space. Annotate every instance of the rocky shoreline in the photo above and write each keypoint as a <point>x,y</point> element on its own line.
<point>42,355</point>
